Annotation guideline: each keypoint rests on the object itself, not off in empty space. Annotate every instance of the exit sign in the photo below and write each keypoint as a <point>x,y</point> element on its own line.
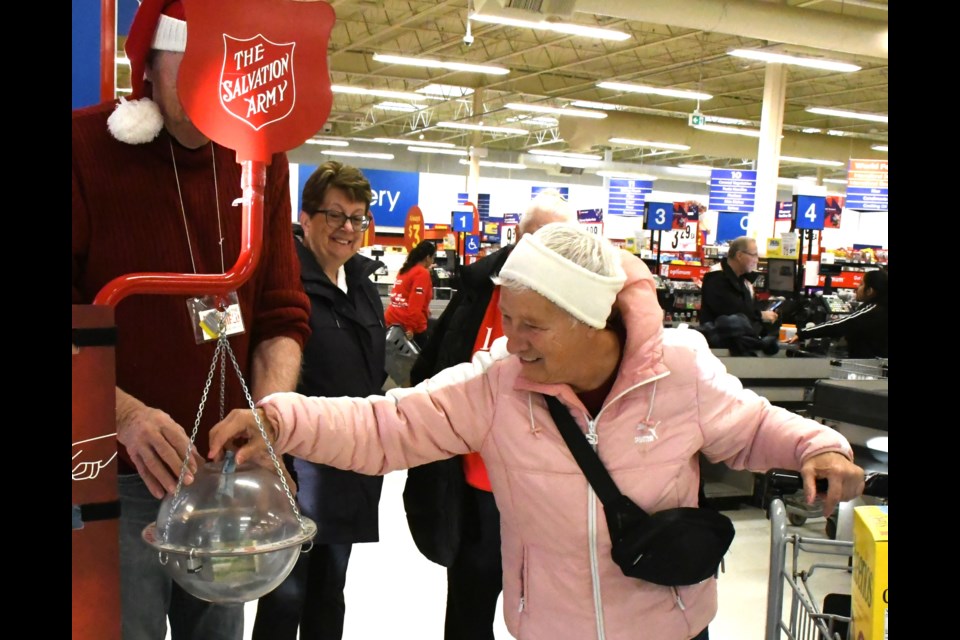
<point>697,120</point>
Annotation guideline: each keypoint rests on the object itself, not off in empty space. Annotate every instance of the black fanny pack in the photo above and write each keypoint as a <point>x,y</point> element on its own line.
<point>673,547</point>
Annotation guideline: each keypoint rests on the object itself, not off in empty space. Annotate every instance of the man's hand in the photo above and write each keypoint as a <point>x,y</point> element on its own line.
<point>157,445</point>
<point>845,479</point>
<point>769,316</point>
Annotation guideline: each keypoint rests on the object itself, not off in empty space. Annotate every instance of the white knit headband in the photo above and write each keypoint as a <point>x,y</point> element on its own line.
<point>171,35</point>
<point>585,295</point>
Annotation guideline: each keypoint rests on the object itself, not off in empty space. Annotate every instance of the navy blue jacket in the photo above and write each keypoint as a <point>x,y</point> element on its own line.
<point>344,357</point>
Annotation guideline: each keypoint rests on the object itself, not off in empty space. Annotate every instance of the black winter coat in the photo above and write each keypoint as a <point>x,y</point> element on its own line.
<point>725,293</point>
<point>344,357</point>
<point>865,330</point>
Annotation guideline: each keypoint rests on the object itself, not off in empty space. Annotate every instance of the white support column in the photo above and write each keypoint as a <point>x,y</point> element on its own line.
<point>760,222</point>
<point>473,179</point>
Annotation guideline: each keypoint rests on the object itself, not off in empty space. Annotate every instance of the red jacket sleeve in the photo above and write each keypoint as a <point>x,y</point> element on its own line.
<point>421,293</point>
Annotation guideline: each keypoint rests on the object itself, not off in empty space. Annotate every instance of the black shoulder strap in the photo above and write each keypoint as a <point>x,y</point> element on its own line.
<point>585,456</point>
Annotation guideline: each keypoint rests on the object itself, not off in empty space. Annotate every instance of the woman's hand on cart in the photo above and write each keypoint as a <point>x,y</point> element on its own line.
<point>844,479</point>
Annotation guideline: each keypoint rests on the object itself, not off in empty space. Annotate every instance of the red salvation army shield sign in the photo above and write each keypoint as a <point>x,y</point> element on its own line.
<point>256,82</point>
<point>254,76</point>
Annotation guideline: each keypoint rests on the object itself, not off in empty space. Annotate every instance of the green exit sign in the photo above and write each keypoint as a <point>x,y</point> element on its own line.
<point>697,120</point>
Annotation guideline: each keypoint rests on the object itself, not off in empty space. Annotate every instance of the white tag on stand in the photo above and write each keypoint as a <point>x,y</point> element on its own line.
<point>209,315</point>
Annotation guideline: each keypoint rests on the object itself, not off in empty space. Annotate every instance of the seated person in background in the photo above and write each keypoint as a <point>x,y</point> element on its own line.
<point>865,330</point>
<point>412,292</point>
<point>728,291</point>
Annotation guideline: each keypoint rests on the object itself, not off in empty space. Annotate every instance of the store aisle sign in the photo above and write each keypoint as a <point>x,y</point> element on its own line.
<point>733,190</point>
<point>659,216</point>
<point>867,185</point>
<point>784,211</point>
<point>731,225</point>
<point>471,245</point>
<point>463,221</point>
<point>809,211</point>
<point>627,197</point>
<point>564,191</point>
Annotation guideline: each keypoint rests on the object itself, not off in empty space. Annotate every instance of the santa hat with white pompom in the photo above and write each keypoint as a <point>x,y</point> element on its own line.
<point>160,25</point>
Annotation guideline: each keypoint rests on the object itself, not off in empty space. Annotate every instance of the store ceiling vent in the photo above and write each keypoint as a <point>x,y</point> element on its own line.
<point>549,7</point>
<point>571,171</point>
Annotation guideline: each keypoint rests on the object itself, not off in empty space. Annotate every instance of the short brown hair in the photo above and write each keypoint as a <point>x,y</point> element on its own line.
<point>333,174</point>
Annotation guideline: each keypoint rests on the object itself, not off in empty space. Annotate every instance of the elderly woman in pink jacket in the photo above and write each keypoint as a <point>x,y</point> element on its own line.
<point>583,325</point>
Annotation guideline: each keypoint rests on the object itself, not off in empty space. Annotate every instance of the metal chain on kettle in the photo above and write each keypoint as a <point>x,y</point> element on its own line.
<point>223,348</point>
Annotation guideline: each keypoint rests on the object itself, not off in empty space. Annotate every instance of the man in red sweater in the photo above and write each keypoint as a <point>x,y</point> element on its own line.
<point>153,194</point>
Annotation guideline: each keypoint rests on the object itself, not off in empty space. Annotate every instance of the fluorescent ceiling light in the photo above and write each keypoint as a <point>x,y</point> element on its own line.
<point>498,165</point>
<point>814,63</point>
<point>835,180</point>
<point>419,143</point>
<point>449,152</point>
<point>565,154</point>
<point>834,132</point>
<point>660,91</point>
<point>550,122</point>
<point>440,64</point>
<point>558,27</point>
<point>606,106</point>
<point>719,128</point>
<point>647,143</point>
<point>535,108</point>
<point>445,90</point>
<point>842,113</point>
<point>811,130</point>
<point>405,107</point>
<point>626,175</point>
<point>328,142</point>
<point>567,162</point>
<point>878,147</point>
<point>354,154</point>
<point>380,93</point>
<point>480,127</point>
<point>822,163</point>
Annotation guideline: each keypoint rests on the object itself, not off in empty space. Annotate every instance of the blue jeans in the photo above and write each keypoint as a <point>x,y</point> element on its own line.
<point>148,595</point>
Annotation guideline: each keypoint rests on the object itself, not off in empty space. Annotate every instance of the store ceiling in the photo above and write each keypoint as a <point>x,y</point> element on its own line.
<point>672,49</point>
<point>679,44</point>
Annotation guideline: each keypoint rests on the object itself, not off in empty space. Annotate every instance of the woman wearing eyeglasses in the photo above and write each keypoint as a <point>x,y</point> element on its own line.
<point>412,292</point>
<point>344,356</point>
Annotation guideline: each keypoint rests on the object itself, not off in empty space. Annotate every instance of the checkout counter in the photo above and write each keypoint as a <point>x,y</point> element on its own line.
<point>847,395</point>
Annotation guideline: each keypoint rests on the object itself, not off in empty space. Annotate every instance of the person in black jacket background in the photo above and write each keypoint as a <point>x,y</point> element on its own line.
<point>343,357</point>
<point>465,536</point>
<point>730,291</point>
<point>866,329</point>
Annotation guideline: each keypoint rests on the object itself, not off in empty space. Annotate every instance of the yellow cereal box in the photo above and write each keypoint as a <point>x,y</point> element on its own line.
<point>869,589</point>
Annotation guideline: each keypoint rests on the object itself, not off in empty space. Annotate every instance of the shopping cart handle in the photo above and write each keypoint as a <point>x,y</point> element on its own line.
<point>783,481</point>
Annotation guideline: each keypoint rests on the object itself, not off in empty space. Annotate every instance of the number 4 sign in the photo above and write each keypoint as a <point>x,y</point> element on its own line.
<point>809,212</point>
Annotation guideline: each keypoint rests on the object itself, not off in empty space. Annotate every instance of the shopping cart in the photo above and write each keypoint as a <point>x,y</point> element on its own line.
<point>806,620</point>
<point>401,353</point>
<point>858,369</point>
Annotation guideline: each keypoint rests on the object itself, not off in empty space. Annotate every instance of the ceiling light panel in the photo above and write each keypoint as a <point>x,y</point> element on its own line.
<point>659,91</point>
<point>630,142</point>
<point>447,152</point>
<point>379,93</point>
<point>498,165</point>
<point>356,154</point>
<point>404,107</point>
<point>328,142</point>
<point>841,113</point>
<point>565,154</point>
<point>557,27</point>
<point>813,63</point>
<point>418,143</point>
<point>440,64</point>
<point>822,163</point>
<point>479,127</point>
<point>445,90</point>
<point>556,111</point>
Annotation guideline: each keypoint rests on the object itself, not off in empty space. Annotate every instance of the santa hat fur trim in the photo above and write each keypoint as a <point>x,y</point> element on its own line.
<point>161,25</point>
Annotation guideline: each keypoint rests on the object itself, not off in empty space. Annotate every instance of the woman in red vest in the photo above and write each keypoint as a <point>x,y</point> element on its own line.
<point>412,292</point>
